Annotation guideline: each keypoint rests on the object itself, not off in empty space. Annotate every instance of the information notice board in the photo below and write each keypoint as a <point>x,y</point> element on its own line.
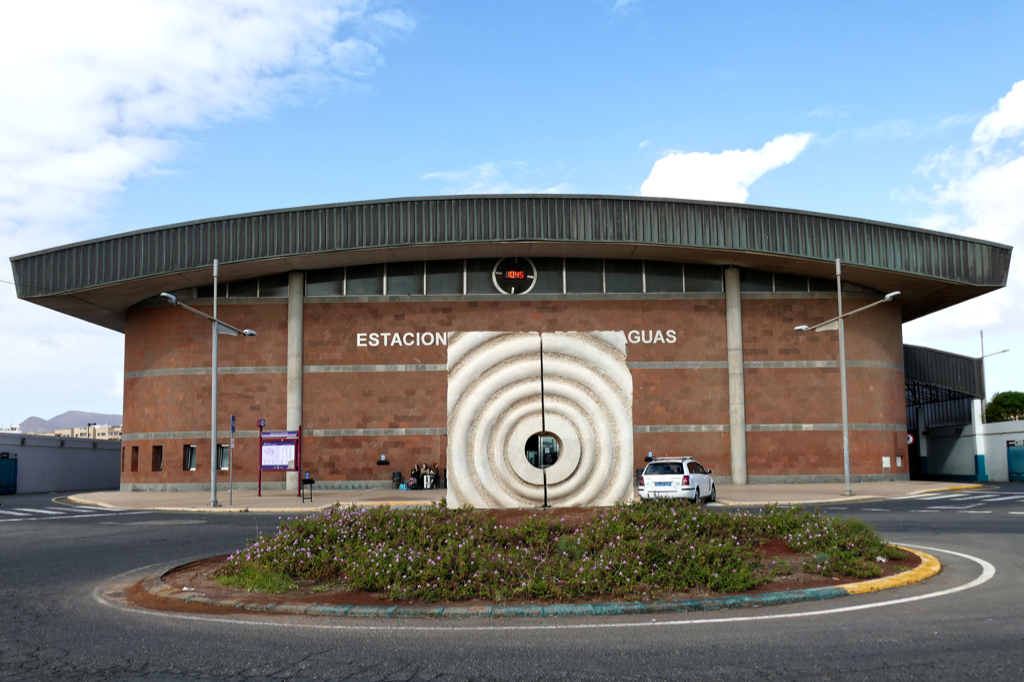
<point>277,455</point>
<point>279,451</point>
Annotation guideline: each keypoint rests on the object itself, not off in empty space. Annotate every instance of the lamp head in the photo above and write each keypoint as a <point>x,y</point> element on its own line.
<point>802,328</point>
<point>248,332</point>
<point>891,295</point>
<point>173,300</point>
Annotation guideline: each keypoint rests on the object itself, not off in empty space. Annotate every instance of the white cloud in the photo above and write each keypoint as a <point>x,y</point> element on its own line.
<point>623,5</point>
<point>902,128</point>
<point>493,178</point>
<point>1006,121</point>
<point>720,177</point>
<point>980,194</point>
<point>644,143</point>
<point>98,92</point>
<point>829,111</point>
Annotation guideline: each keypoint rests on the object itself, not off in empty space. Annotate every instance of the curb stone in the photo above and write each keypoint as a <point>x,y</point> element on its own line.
<point>853,498</point>
<point>246,510</point>
<point>928,567</point>
<point>77,499</point>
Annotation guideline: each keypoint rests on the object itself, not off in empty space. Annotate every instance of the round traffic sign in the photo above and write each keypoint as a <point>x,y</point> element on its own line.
<point>910,439</point>
<point>263,422</point>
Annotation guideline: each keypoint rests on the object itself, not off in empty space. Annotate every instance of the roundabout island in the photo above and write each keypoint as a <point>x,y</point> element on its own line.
<point>661,557</point>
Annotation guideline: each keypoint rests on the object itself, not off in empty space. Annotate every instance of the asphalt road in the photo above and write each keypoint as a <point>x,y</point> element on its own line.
<point>53,625</point>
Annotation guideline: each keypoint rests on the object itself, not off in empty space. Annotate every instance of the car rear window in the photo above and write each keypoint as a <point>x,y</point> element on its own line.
<point>664,469</point>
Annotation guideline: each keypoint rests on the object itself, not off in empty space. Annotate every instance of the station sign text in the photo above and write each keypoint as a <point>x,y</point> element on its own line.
<point>391,339</point>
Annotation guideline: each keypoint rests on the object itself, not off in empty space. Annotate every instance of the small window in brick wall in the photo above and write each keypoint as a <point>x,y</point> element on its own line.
<point>223,457</point>
<point>158,458</point>
<point>135,458</point>
<point>189,458</point>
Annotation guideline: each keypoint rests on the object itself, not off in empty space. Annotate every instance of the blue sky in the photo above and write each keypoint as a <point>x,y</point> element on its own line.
<point>124,115</point>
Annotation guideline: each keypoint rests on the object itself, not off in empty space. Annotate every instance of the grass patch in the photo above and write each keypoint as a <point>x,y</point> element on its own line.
<point>258,578</point>
<point>635,551</point>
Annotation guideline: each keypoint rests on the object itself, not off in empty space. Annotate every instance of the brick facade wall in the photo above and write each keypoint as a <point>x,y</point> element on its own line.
<point>168,404</point>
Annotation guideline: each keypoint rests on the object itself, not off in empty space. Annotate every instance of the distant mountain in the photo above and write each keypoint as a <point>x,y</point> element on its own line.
<point>68,420</point>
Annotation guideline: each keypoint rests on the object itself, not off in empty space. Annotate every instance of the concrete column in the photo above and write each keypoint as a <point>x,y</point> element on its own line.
<point>296,289</point>
<point>737,401</point>
<point>978,427</point>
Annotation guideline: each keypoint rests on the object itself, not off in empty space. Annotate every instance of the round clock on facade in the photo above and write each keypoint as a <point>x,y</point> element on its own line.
<point>514,275</point>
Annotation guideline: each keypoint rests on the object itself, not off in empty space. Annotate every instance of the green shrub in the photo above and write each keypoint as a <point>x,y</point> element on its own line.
<point>630,552</point>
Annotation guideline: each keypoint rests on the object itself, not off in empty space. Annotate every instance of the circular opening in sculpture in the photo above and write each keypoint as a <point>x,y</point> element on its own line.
<point>542,449</point>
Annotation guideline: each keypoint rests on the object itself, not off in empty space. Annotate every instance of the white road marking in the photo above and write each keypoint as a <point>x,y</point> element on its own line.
<point>875,510</point>
<point>73,516</point>
<point>977,512</point>
<point>37,511</point>
<point>958,507</point>
<point>923,511</point>
<point>13,513</point>
<point>935,496</point>
<point>988,571</point>
<point>1018,513</point>
<point>1014,498</point>
<point>85,510</point>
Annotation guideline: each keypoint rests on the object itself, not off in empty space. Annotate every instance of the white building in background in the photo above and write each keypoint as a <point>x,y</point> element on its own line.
<point>31,463</point>
<point>93,431</point>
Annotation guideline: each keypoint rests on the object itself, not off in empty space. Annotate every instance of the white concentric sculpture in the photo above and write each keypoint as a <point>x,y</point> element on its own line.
<point>494,406</point>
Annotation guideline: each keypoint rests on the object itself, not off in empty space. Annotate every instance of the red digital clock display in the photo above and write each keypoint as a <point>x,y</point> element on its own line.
<point>514,275</point>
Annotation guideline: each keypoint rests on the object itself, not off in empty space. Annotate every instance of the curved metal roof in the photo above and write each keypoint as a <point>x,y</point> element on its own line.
<point>98,280</point>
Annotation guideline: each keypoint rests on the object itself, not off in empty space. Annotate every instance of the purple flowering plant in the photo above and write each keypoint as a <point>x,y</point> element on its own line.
<point>639,551</point>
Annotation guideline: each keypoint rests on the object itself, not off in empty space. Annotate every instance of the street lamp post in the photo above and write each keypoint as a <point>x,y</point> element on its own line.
<point>984,355</point>
<point>827,326</point>
<point>218,328</point>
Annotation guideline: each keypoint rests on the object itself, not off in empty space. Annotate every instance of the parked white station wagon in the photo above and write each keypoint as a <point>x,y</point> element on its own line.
<point>680,477</point>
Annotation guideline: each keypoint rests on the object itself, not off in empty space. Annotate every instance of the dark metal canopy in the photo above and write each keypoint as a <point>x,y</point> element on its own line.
<point>935,376</point>
<point>98,280</point>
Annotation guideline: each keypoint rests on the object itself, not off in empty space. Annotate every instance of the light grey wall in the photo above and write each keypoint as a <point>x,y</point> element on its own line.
<point>952,454</point>
<point>994,437</point>
<point>44,465</point>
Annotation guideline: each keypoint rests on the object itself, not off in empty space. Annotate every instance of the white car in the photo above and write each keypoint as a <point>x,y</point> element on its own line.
<point>681,477</point>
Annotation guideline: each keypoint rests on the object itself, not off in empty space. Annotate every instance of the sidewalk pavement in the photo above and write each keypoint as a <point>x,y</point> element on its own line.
<point>289,502</point>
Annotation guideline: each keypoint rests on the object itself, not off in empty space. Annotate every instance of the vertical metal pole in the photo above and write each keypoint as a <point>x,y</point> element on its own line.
<point>543,423</point>
<point>842,380</point>
<point>213,400</point>
<point>983,401</point>
<point>231,464</point>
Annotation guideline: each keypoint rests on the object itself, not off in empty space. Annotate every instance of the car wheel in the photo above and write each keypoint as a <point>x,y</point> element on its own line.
<point>696,496</point>
<point>714,494</point>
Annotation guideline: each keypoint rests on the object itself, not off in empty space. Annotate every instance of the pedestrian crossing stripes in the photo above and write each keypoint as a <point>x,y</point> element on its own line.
<point>961,502</point>
<point>12,514</point>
